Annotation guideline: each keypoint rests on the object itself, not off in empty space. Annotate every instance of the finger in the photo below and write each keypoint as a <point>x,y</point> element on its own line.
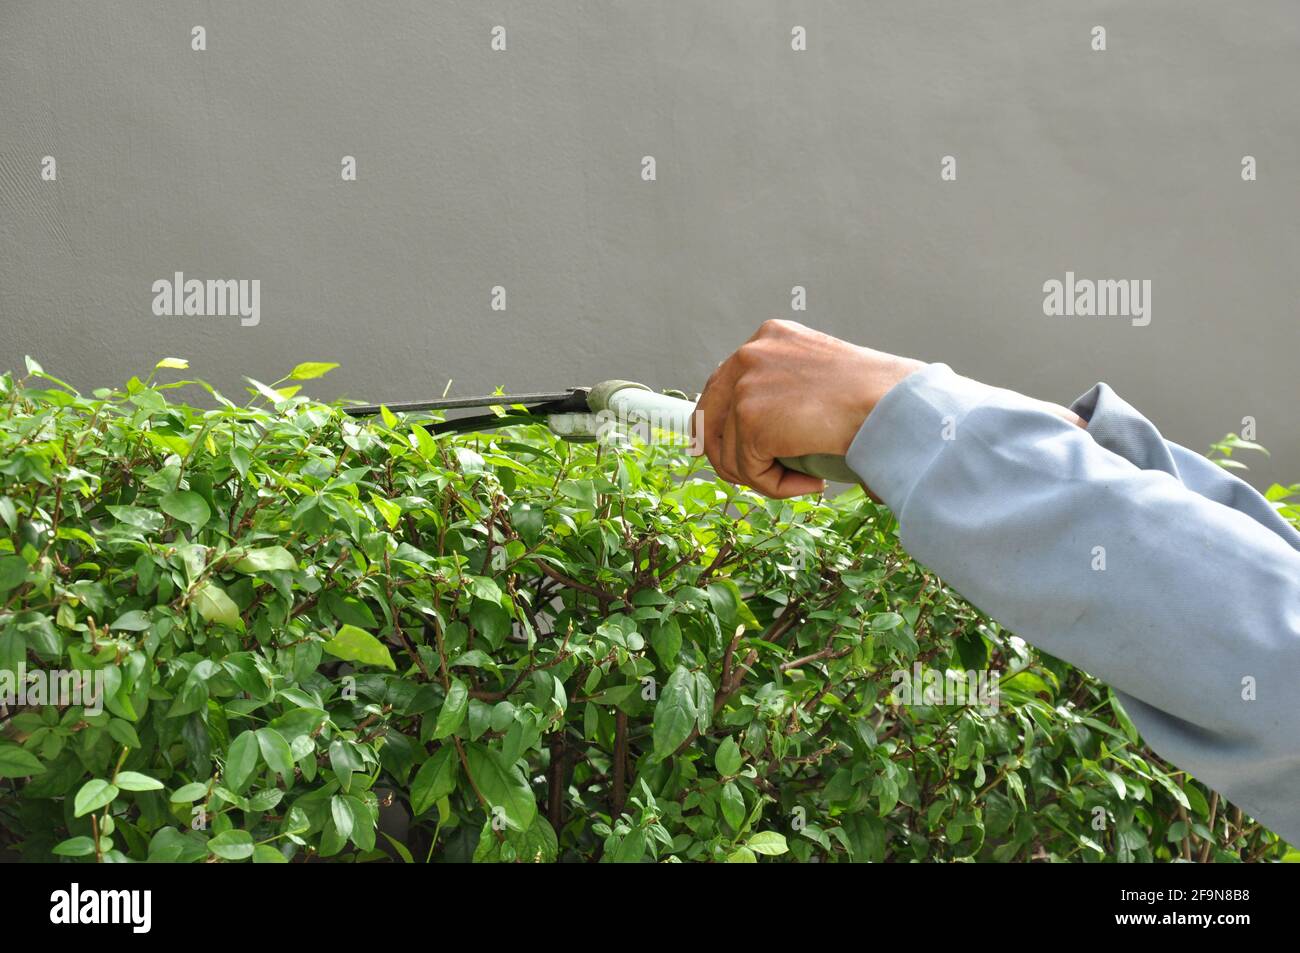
<point>711,414</point>
<point>709,399</point>
<point>794,483</point>
<point>720,455</point>
<point>770,478</point>
<point>730,451</point>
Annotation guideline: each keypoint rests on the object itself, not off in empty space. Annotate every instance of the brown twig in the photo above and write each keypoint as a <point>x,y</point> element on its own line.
<point>1209,841</point>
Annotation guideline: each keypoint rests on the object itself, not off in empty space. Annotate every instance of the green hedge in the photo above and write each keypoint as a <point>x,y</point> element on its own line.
<point>322,638</point>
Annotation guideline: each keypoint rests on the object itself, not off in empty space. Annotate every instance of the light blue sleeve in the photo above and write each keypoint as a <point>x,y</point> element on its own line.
<point>1195,617</point>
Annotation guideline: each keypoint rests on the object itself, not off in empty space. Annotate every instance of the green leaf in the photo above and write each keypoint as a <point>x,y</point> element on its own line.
<point>344,762</point>
<point>729,606</point>
<point>75,847</point>
<point>341,814</point>
<point>357,645</point>
<point>266,560</point>
<point>134,781</point>
<point>491,621</point>
<point>768,843</point>
<point>241,760</point>
<point>309,370</point>
<point>666,640</point>
<point>214,605</point>
<point>1026,682</point>
<point>232,845</point>
<point>453,710</point>
<point>885,621</point>
<point>424,442</point>
<point>276,752</point>
<point>187,507</point>
<point>270,393</point>
<point>137,620</point>
<point>866,836</point>
<point>733,805</point>
<point>1196,800</point>
<point>13,570</point>
<point>503,786</point>
<point>435,780</point>
<point>362,832</point>
<point>631,849</point>
<point>485,588</point>
<point>191,792</point>
<point>175,363</point>
<point>265,799</point>
<point>350,611</point>
<point>9,513</point>
<point>1117,783</point>
<point>728,758</point>
<point>675,713</point>
<point>150,521</point>
<point>16,762</point>
<point>390,511</point>
<point>92,796</point>
<point>398,846</point>
<point>529,521</point>
<point>124,733</point>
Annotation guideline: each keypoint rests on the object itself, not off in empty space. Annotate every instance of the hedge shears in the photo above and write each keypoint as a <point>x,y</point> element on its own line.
<point>592,413</point>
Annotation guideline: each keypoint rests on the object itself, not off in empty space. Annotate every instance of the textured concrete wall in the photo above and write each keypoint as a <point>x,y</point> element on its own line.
<point>775,168</point>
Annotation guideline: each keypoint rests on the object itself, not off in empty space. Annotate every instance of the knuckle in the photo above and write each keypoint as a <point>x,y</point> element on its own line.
<point>781,327</point>
<point>752,356</point>
<point>748,405</point>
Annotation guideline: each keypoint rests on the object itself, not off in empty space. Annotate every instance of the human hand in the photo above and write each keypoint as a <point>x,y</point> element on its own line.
<point>787,392</point>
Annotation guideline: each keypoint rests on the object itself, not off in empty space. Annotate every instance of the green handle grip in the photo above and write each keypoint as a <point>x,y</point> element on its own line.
<point>636,402</point>
<point>825,466</point>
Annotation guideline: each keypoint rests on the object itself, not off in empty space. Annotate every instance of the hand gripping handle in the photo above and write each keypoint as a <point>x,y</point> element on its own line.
<point>635,403</point>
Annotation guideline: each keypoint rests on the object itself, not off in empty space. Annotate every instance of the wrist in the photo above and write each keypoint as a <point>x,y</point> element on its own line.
<point>884,372</point>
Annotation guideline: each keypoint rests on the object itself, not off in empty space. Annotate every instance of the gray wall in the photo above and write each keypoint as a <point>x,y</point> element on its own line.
<point>775,168</point>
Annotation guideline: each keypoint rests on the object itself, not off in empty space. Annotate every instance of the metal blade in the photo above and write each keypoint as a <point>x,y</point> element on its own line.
<point>572,400</point>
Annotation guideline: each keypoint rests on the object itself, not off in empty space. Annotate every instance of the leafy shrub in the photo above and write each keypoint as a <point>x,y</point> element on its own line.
<point>328,638</point>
